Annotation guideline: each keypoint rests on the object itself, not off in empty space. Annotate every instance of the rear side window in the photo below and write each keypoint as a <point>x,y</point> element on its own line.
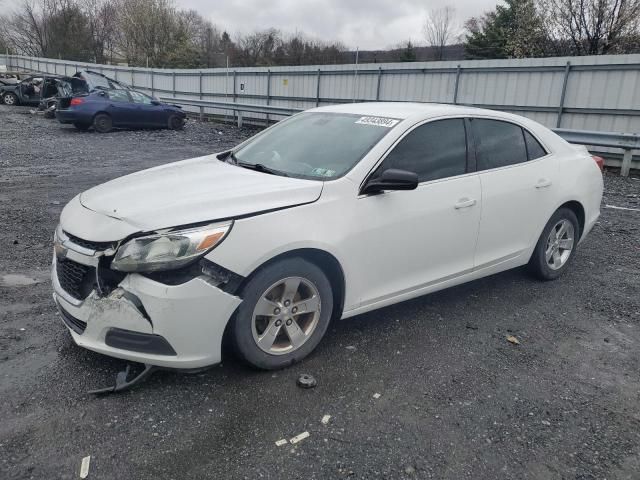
<point>534,149</point>
<point>434,150</point>
<point>498,144</point>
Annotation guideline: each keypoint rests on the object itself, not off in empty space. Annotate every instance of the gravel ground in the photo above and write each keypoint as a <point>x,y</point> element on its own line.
<point>456,399</point>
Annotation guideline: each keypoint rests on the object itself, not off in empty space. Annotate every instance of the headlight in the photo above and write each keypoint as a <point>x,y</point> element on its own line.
<point>167,251</point>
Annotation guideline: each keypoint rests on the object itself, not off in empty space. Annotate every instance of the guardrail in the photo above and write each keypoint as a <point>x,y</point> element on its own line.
<point>239,108</point>
<point>627,142</point>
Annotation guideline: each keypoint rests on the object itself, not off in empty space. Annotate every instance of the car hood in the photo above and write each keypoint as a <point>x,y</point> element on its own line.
<point>197,190</point>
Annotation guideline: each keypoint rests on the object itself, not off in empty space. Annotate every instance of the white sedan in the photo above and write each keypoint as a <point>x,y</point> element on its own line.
<point>328,214</point>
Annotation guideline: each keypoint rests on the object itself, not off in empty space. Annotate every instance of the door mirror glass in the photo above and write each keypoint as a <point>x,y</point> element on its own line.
<point>392,179</point>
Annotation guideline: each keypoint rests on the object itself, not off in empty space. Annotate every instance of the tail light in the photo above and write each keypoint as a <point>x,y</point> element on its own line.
<point>599,161</point>
<point>76,101</point>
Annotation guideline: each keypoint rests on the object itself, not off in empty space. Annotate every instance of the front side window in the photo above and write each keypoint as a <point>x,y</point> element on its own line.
<point>498,143</point>
<point>318,145</point>
<point>434,150</point>
<point>119,96</point>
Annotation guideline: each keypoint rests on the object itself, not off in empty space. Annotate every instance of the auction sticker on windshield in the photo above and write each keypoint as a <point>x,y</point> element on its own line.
<point>378,121</point>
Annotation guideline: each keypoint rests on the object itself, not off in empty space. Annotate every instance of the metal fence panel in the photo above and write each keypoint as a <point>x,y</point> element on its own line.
<point>593,93</point>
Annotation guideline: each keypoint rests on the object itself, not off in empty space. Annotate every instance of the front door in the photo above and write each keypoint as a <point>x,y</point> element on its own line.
<point>147,114</point>
<point>414,239</point>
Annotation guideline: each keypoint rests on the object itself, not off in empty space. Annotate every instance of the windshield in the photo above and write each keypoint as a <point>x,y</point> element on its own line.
<point>317,145</point>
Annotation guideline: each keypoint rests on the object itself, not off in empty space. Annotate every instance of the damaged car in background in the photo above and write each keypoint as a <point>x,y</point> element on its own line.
<point>44,91</point>
<point>104,110</point>
<point>328,214</point>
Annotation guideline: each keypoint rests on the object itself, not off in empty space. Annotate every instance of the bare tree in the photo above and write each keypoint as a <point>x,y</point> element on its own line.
<point>593,27</point>
<point>439,29</point>
<point>102,22</point>
<point>48,28</point>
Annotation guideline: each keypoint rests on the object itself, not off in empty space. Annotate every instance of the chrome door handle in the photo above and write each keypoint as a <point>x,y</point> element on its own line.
<point>543,183</point>
<point>464,203</point>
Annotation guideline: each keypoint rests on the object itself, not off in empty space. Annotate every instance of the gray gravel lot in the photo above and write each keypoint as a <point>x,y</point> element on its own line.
<point>457,400</point>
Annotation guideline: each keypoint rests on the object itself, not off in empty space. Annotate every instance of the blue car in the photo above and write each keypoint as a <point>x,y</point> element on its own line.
<point>105,109</point>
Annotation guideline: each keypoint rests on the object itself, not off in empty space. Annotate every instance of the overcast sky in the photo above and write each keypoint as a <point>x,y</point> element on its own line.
<point>368,24</point>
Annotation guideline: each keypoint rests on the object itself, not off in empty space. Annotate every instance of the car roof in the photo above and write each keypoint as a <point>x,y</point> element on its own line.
<point>406,110</point>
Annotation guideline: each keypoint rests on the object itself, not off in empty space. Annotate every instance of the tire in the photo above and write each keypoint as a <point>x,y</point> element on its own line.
<point>82,126</point>
<point>553,253</point>
<point>102,123</point>
<point>10,99</point>
<point>49,114</point>
<point>249,328</point>
<point>175,122</point>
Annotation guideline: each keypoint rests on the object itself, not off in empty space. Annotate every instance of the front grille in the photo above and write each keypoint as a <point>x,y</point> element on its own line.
<point>76,279</point>
<point>98,246</point>
<point>72,322</point>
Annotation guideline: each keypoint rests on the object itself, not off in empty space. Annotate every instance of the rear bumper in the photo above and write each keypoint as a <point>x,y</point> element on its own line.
<point>149,322</point>
<point>71,116</point>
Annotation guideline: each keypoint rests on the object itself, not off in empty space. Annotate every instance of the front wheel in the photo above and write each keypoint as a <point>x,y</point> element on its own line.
<point>285,312</point>
<point>175,122</point>
<point>556,245</point>
<point>10,99</point>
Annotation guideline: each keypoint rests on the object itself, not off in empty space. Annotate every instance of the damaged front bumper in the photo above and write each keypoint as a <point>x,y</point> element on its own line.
<point>141,320</point>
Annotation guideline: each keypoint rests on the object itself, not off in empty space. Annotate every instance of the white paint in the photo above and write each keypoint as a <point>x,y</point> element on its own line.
<point>281,442</point>
<point>325,419</point>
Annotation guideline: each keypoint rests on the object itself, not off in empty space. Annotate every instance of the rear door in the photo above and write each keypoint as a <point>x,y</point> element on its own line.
<point>121,108</point>
<point>518,179</point>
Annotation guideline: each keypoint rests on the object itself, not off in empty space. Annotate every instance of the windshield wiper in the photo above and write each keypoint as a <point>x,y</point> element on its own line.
<point>261,168</point>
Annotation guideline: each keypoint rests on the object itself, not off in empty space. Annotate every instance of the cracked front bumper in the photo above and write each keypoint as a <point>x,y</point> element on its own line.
<point>191,317</point>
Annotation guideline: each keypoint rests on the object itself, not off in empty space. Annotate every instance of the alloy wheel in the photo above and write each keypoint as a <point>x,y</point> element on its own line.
<point>559,244</point>
<point>286,315</point>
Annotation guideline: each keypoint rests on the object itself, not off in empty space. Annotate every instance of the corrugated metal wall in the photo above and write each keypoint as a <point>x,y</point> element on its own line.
<point>586,93</point>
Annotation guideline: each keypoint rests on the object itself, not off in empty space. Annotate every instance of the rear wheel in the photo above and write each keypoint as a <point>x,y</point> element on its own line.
<point>102,123</point>
<point>10,99</point>
<point>285,313</point>
<point>175,122</point>
<point>556,245</point>
<point>82,126</point>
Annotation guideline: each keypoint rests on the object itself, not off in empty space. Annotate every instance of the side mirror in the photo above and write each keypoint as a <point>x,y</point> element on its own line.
<point>156,102</point>
<point>392,179</point>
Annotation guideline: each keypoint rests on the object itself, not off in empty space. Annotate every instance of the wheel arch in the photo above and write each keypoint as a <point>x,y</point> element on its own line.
<point>324,260</point>
<point>578,209</point>
<point>101,112</point>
